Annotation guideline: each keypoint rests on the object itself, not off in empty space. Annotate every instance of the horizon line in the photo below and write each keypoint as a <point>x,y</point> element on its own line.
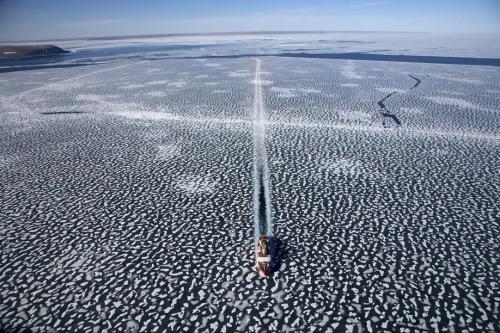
<point>220,33</point>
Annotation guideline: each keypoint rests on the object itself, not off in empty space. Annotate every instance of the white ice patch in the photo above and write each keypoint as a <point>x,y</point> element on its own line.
<point>284,92</point>
<point>438,152</point>
<point>342,166</point>
<point>351,75</point>
<point>309,91</point>
<point>147,115</point>
<point>156,93</point>
<point>345,166</point>
<point>168,152</point>
<point>132,326</point>
<point>133,86</point>
<point>349,85</point>
<point>177,84</point>
<point>92,98</point>
<point>456,79</point>
<point>62,109</point>
<point>8,160</point>
<point>61,86</point>
<point>412,110</point>
<point>159,82</point>
<point>239,73</point>
<point>37,101</point>
<point>452,101</point>
<point>292,92</point>
<point>349,72</point>
<point>387,90</point>
<point>355,115</point>
<point>262,82</point>
<point>196,184</point>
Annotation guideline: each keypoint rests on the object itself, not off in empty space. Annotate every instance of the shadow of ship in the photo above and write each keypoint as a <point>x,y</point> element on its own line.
<point>280,252</point>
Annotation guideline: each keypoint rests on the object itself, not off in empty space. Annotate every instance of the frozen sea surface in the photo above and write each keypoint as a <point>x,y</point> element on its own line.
<point>127,188</point>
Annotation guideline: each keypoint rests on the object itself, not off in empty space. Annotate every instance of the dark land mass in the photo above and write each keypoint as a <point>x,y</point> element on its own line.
<point>16,52</point>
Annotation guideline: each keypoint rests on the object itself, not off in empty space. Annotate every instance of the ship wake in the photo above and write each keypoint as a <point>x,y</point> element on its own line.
<point>262,198</point>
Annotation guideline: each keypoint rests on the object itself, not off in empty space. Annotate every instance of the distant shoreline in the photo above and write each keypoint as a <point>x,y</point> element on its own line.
<point>88,38</point>
<point>29,51</point>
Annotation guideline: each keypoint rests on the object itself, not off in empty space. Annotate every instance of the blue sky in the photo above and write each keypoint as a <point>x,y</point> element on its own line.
<point>45,19</point>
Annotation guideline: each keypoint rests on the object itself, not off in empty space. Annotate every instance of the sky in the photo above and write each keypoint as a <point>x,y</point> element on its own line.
<point>49,19</point>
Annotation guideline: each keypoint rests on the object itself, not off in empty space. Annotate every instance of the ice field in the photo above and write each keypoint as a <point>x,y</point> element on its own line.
<point>127,174</point>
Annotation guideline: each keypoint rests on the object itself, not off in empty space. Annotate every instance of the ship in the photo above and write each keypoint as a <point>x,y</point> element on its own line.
<point>263,256</point>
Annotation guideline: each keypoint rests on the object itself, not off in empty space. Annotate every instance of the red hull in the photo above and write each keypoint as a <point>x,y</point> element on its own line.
<point>263,256</point>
